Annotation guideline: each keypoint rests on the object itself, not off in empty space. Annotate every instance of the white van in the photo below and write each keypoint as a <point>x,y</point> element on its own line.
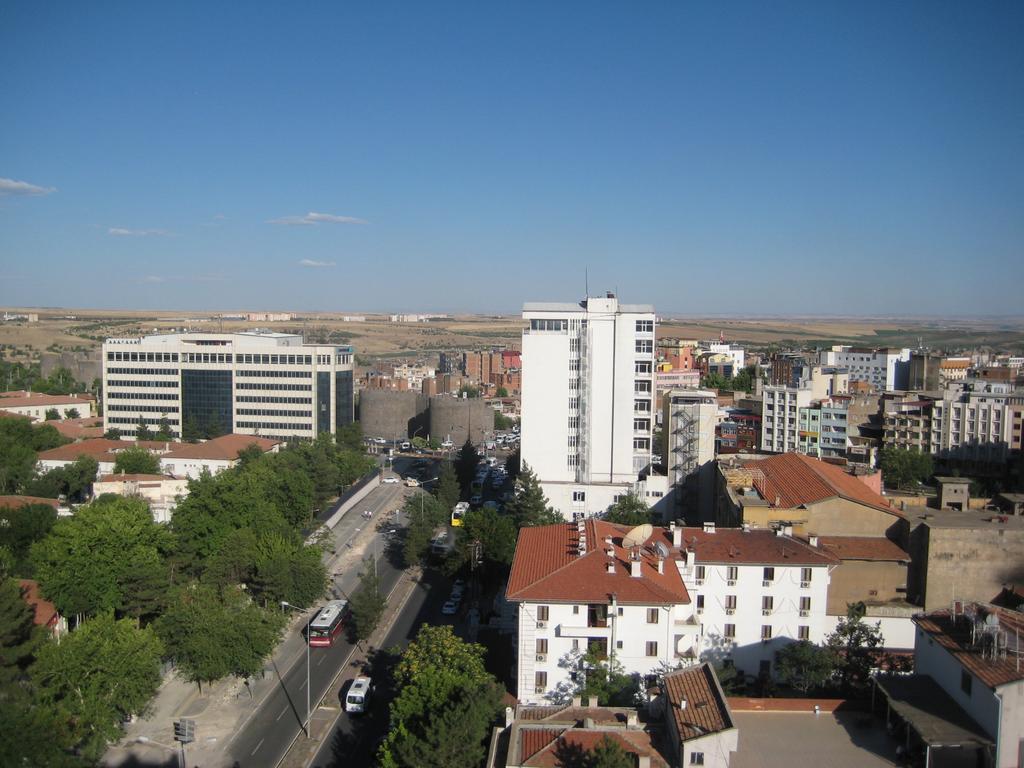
<point>358,698</point>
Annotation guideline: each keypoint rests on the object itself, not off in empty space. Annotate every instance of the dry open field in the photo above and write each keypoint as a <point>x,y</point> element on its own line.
<point>81,329</point>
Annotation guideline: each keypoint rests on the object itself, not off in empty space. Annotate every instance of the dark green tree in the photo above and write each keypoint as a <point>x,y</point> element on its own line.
<point>79,476</point>
<point>100,673</point>
<point>607,753</point>
<point>448,491</point>
<point>136,461</point>
<point>496,534</point>
<point>46,437</point>
<point>33,733</point>
<point>465,466</point>
<point>165,431</point>
<point>604,680</point>
<point>502,422</point>
<point>805,666</point>
<point>367,603</point>
<point>500,392</point>
<point>288,570</point>
<point>142,430</point>
<point>71,413</point>
<point>629,510</point>
<point>902,468</point>
<point>425,515</point>
<point>20,528</point>
<point>530,506</point>
<point>52,414</point>
<point>112,434</point>
<point>856,645</point>
<point>20,639</point>
<point>17,455</point>
<point>350,437</point>
<point>512,465</point>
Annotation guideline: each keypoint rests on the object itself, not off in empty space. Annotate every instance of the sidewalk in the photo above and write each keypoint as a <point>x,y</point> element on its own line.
<point>222,708</point>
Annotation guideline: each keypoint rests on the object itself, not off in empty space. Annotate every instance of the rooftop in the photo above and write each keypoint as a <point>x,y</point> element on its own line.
<point>14,502</point>
<point>20,398</point>
<point>225,447</point>
<point>863,548</point>
<point>45,611</point>
<point>792,480</point>
<point>964,635</point>
<point>932,713</point>
<point>101,449</point>
<point>757,546</point>
<point>954,518</point>
<point>697,702</point>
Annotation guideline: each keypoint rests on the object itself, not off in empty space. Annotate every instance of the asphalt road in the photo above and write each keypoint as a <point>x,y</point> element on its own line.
<point>354,740</point>
<point>266,736</point>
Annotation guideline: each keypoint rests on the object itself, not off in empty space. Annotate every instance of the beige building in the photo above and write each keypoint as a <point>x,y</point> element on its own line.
<point>35,405</point>
<point>161,492</point>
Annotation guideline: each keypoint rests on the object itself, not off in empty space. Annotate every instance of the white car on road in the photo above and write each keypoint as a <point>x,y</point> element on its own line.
<point>390,480</point>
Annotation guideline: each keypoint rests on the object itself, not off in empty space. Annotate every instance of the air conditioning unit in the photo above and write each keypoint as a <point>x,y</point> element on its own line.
<point>730,611</point>
<point>731,583</point>
<point>542,657</point>
<point>805,613</point>
<point>805,584</point>
<point>542,625</point>
<point>700,610</point>
<point>538,689</point>
<point>766,583</point>
<point>700,582</point>
<point>766,611</point>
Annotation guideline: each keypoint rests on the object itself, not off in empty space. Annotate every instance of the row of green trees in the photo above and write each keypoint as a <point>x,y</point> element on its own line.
<point>20,441</point>
<point>741,382</point>
<point>61,381</point>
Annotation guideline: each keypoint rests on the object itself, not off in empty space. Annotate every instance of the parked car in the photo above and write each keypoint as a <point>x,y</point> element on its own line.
<point>405,446</point>
<point>476,499</point>
<point>412,482</point>
<point>390,480</point>
<point>359,694</point>
<point>450,608</point>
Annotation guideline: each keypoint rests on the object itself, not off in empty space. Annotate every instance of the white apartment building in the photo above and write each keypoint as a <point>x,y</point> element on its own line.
<point>884,369</point>
<point>780,422</point>
<point>587,399</point>
<point>682,595</point>
<point>737,354</point>
<point>971,422</point>
<point>690,417</point>
<point>205,384</point>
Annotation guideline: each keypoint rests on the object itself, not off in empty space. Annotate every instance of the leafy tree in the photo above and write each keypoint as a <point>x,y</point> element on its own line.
<point>856,645</point>
<point>512,464</point>
<point>629,510</point>
<point>805,666</point>
<point>467,390</point>
<point>502,422</point>
<point>212,633</point>
<point>530,506</point>
<point>901,467</point>
<point>500,392</point>
<point>79,476</point>
<point>496,534</point>
<point>136,461</point>
<point>20,639</point>
<point>88,563</point>
<point>52,414</point>
<point>234,564</point>
<point>465,466</point>
<point>112,434</point>
<point>20,528</point>
<point>100,673</point>
<point>350,437</point>
<point>46,436</point>
<point>445,703</point>
<point>165,431</point>
<point>353,465</point>
<point>447,491</point>
<point>17,455</point>
<point>425,515</point>
<point>367,603</point>
<point>72,413</point>
<point>288,570</point>
<point>32,733</point>
<point>142,430</point>
<point>419,442</point>
<point>604,679</point>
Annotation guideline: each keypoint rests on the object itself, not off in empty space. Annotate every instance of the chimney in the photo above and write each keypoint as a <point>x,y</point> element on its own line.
<point>661,565</point>
<point>611,566</point>
<point>709,527</point>
<point>812,539</point>
<point>682,704</point>
<point>677,535</point>
<point>634,568</point>
<point>610,552</point>
<point>608,540</point>
<point>689,557</point>
<point>787,530</point>
<point>509,716</point>
<point>588,723</point>
<point>746,527</point>
<point>643,761</point>
<point>577,701</point>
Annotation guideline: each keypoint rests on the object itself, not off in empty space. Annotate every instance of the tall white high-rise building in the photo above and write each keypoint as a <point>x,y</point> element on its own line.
<point>210,384</point>
<point>587,399</point>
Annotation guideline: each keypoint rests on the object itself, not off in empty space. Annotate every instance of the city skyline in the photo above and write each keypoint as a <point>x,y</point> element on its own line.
<point>749,161</point>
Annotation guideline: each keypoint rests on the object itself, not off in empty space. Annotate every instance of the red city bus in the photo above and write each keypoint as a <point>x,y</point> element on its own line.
<point>328,623</point>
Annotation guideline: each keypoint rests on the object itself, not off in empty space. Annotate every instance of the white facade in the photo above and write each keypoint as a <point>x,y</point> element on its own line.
<point>972,420</point>
<point>690,417</point>
<point>35,405</point>
<point>780,422</point>
<point>736,353</point>
<point>587,400</point>
<point>161,493</point>
<point>884,369</point>
<point>267,384</point>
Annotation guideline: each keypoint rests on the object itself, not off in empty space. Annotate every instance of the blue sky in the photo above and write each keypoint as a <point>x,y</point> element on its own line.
<point>783,158</point>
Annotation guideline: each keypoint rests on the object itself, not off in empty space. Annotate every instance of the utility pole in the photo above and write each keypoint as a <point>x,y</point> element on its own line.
<point>184,732</point>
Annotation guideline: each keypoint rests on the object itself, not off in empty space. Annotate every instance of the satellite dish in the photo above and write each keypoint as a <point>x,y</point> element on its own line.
<point>638,535</point>
<point>662,549</point>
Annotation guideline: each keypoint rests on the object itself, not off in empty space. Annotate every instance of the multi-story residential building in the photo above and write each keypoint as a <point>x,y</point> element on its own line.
<point>587,399</point>
<point>965,701</point>
<point>781,408</point>
<point>735,354</point>
<point>414,374</point>
<point>824,428</point>
<point>954,369</point>
<point>971,422</point>
<point>206,384</point>
<point>689,417</point>
<point>739,432</point>
<point>907,423</point>
<point>780,422</point>
<point>883,369</point>
<point>653,598</point>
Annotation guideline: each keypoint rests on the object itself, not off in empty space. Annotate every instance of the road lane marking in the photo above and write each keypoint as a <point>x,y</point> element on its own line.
<point>257,748</point>
<point>303,685</point>
<point>282,713</point>
<point>321,660</point>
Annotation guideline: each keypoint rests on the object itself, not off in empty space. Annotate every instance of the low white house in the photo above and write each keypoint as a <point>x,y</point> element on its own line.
<point>161,492</point>
<point>190,460</point>
<point>36,404</point>
<point>657,598</point>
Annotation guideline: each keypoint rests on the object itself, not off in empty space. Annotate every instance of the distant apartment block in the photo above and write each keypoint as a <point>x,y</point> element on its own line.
<point>205,385</point>
<point>268,317</point>
<point>689,418</point>
<point>883,369</point>
<point>587,399</point>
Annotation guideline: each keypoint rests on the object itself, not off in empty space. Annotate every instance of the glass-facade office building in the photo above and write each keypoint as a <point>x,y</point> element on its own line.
<point>205,385</point>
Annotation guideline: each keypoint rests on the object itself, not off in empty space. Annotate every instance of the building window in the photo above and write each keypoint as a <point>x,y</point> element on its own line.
<point>540,681</point>
<point>730,602</point>
<point>618,645</point>
<point>652,648</point>
<point>805,574</point>
<point>579,496</point>
<point>729,631</point>
<point>769,574</point>
<point>696,758</point>
<point>732,573</point>
<point>767,603</point>
<point>803,632</point>
<point>575,643</point>
<point>542,645</point>
<point>698,573</point>
<point>700,603</point>
<point>766,631</point>
<point>644,346</point>
<point>542,613</point>
<point>645,326</point>
<point>966,681</point>
<point>652,615</point>
<point>805,605</point>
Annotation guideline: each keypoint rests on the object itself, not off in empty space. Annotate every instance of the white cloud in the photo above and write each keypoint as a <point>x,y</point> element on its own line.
<point>23,188</point>
<point>126,232</point>
<point>152,279</point>
<point>312,218</point>
<point>312,263</point>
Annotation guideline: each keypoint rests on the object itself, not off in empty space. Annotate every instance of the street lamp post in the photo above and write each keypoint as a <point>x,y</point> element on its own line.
<point>285,604</point>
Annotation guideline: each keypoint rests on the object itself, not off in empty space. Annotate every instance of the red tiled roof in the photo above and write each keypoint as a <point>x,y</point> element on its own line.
<point>636,742</point>
<point>533,740</point>
<point>46,612</point>
<point>225,447</point>
<point>14,502</point>
<point>955,637</point>
<point>133,478</point>
<point>754,547</point>
<point>547,566</point>
<point>706,709</point>
<point>79,429</point>
<point>22,399</point>
<point>863,548</point>
<point>101,449</point>
<point>796,480</point>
